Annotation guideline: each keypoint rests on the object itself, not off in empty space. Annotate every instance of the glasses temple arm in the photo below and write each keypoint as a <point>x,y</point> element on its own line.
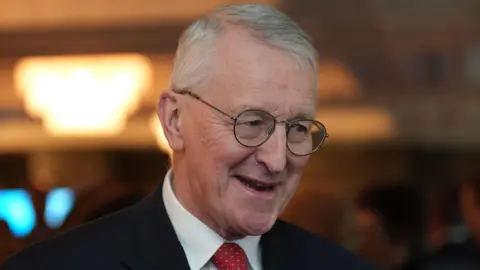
<point>195,96</point>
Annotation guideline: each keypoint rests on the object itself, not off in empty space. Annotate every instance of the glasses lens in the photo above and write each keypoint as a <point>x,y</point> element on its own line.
<point>253,128</point>
<point>305,136</point>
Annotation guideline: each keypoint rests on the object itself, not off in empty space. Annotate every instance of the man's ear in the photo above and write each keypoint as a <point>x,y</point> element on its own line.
<point>168,111</point>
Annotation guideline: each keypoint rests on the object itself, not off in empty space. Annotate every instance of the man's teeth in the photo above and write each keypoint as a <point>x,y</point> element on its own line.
<point>256,185</point>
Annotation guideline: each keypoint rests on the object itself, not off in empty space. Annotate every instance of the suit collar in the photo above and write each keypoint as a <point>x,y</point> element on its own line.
<point>198,240</point>
<point>153,244</point>
<point>273,257</point>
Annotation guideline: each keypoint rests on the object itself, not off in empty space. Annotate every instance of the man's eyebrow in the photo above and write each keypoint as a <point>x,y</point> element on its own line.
<point>270,108</point>
<point>244,107</point>
<point>303,115</point>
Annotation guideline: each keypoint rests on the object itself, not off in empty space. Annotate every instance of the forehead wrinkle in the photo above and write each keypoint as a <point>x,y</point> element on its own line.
<point>301,114</point>
<point>303,108</point>
<point>290,113</point>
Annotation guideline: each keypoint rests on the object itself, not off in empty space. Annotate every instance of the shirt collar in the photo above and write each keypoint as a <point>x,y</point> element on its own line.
<point>198,240</point>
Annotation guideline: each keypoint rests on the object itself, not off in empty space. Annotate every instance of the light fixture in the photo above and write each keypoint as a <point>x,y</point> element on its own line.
<point>16,209</point>
<point>84,94</point>
<point>336,81</point>
<point>350,124</point>
<point>59,203</point>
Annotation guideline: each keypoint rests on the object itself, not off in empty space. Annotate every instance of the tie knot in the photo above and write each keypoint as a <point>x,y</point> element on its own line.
<point>230,256</point>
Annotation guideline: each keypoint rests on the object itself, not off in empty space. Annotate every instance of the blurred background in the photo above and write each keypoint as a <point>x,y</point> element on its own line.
<point>399,94</point>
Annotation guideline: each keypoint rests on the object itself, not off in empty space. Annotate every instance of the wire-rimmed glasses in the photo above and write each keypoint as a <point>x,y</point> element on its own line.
<point>252,128</point>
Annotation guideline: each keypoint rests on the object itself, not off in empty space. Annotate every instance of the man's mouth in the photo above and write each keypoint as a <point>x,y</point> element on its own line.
<point>255,185</point>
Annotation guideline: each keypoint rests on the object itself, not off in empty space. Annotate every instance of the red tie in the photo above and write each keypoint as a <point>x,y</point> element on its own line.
<point>230,256</point>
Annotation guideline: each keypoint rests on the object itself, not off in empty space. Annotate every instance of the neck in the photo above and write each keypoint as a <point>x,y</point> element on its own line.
<point>194,202</point>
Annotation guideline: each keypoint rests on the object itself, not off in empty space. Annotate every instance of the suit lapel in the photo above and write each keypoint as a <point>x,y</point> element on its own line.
<point>153,244</point>
<point>272,249</point>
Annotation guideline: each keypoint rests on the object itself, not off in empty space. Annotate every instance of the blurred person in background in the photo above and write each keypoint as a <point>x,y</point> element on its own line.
<point>447,221</point>
<point>461,250</point>
<point>239,119</point>
<point>389,218</point>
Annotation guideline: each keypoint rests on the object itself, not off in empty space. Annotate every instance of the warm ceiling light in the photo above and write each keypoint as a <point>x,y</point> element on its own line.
<point>350,124</point>
<point>336,81</point>
<point>81,95</point>
<point>157,130</point>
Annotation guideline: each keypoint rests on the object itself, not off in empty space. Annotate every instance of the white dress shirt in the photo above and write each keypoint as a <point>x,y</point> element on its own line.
<point>198,240</point>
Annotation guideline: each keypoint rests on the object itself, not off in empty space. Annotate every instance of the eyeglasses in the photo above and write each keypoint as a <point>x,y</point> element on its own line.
<point>253,128</point>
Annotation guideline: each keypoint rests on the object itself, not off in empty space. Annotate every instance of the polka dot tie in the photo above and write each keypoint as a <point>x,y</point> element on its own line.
<point>230,256</point>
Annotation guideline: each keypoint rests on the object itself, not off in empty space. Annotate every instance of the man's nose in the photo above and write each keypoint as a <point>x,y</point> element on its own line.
<point>273,153</point>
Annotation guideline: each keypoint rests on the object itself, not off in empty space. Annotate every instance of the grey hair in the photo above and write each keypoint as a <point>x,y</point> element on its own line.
<point>264,22</point>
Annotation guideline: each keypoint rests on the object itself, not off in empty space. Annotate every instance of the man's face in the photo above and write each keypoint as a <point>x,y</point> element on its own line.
<point>245,74</point>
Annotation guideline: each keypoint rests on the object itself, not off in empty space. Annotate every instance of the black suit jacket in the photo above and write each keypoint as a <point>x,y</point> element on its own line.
<point>142,237</point>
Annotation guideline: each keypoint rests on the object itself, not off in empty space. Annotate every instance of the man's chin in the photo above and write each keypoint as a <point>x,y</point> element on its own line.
<point>258,227</point>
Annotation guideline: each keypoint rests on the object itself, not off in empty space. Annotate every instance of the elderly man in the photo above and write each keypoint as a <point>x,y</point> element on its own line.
<point>239,119</point>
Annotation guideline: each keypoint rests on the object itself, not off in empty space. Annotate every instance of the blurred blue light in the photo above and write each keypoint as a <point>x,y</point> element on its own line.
<point>16,209</point>
<point>58,204</point>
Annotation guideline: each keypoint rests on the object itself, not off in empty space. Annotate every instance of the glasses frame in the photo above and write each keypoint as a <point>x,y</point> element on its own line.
<point>288,123</point>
